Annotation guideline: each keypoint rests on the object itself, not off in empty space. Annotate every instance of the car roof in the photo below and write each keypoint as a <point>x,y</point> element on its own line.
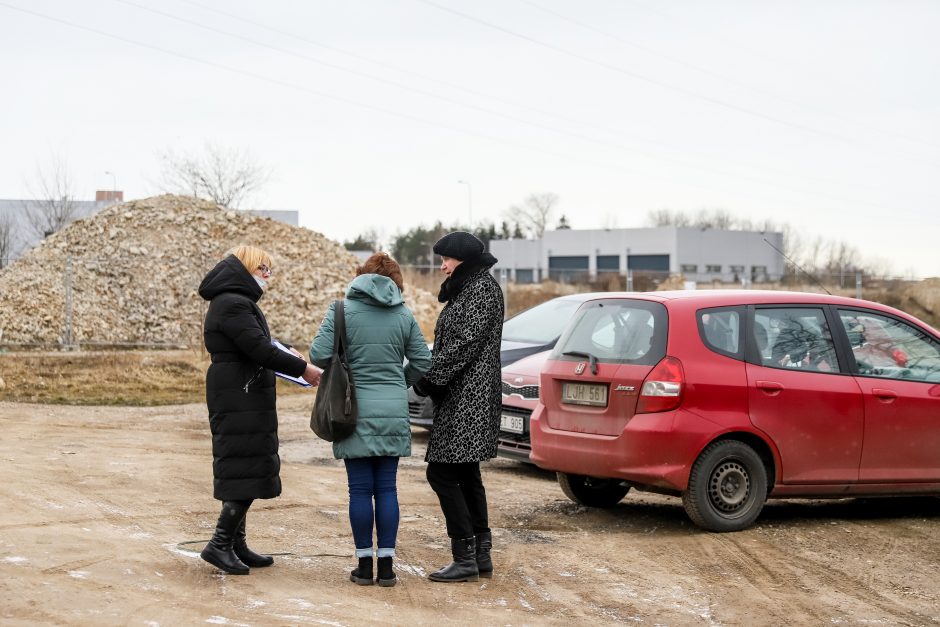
<point>724,298</point>
<point>719,297</point>
<point>585,296</point>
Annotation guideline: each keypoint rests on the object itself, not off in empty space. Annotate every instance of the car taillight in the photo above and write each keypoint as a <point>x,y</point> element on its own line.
<point>662,388</point>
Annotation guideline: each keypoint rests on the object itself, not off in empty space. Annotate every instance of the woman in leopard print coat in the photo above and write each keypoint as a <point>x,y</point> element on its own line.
<point>464,382</point>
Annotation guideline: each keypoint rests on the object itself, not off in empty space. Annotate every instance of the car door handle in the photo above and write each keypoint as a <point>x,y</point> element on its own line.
<point>883,395</point>
<point>771,387</point>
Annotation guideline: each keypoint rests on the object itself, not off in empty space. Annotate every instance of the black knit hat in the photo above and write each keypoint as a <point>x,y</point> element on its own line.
<point>460,245</point>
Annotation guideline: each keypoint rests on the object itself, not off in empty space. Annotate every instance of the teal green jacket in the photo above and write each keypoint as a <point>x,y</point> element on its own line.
<point>381,332</point>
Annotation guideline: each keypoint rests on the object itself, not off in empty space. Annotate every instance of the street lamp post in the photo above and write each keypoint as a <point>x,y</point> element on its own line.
<point>430,246</point>
<point>469,200</point>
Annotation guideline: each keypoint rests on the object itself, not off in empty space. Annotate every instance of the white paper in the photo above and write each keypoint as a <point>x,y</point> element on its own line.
<point>296,380</point>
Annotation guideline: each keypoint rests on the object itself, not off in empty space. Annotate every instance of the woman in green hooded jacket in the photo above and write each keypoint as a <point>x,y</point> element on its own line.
<point>380,334</point>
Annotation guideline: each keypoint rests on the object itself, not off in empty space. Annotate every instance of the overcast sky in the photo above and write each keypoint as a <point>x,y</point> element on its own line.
<point>821,113</point>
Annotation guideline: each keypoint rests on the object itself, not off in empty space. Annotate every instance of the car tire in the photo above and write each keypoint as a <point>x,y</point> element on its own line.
<point>591,491</point>
<point>727,487</point>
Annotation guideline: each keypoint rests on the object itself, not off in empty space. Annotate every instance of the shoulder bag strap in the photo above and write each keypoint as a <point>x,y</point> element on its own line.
<point>339,328</point>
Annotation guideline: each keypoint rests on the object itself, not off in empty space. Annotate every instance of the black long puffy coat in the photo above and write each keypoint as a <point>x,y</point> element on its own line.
<point>240,385</point>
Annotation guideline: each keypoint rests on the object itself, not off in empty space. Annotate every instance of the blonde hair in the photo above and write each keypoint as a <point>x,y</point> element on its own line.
<point>251,257</point>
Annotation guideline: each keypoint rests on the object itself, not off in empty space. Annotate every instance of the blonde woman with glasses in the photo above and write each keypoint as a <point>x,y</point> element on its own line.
<point>240,396</point>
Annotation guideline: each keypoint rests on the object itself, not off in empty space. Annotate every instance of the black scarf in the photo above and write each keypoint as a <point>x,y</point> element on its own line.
<point>454,284</point>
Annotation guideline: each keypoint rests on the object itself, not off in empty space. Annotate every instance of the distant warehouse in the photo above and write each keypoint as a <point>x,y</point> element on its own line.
<point>701,255</point>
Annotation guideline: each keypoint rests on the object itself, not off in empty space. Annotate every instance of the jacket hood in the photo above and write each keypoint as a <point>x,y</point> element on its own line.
<point>375,287</point>
<point>230,275</point>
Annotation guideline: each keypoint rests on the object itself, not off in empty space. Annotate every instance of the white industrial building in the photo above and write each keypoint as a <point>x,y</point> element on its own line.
<point>701,255</point>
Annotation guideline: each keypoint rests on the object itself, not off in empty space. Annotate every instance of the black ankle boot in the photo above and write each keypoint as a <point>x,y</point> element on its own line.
<point>484,563</point>
<point>464,566</point>
<point>386,576</point>
<point>362,574</point>
<point>246,555</point>
<point>219,551</point>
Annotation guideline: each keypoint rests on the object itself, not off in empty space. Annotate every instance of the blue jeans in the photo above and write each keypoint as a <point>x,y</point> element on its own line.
<point>373,478</point>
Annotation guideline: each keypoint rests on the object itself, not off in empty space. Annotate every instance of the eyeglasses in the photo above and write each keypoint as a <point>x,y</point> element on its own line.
<point>265,270</point>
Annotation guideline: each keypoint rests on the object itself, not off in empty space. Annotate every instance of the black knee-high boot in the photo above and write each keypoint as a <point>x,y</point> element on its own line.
<point>484,562</point>
<point>219,552</point>
<point>464,566</point>
<point>246,555</point>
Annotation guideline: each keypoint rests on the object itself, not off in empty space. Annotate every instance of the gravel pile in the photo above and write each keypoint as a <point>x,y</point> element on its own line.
<point>133,269</point>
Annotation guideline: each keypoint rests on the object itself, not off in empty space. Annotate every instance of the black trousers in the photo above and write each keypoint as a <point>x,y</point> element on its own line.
<point>459,487</point>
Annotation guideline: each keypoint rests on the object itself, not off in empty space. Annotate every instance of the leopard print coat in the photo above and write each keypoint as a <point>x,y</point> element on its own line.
<point>466,364</point>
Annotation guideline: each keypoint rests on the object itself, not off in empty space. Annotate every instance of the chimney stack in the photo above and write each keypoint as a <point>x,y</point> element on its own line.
<point>112,195</point>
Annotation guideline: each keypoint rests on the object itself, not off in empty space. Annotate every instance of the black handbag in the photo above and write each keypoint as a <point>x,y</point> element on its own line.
<point>335,410</point>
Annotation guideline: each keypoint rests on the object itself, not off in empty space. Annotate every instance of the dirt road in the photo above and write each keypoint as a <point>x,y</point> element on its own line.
<point>104,510</point>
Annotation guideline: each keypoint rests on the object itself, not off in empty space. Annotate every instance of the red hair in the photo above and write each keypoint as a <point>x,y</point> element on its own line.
<point>382,263</point>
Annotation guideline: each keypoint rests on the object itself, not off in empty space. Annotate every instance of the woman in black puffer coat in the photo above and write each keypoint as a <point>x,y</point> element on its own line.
<point>241,400</point>
<point>464,382</point>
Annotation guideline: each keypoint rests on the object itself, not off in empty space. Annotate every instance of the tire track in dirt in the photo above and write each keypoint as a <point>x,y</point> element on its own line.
<point>788,570</point>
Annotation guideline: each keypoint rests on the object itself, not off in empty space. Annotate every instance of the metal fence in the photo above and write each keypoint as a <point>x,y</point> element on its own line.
<point>59,308</point>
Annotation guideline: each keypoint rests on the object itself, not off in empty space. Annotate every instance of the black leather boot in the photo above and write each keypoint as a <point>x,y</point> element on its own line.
<point>464,566</point>
<point>484,563</point>
<point>246,555</point>
<point>386,576</point>
<point>362,574</point>
<point>219,551</point>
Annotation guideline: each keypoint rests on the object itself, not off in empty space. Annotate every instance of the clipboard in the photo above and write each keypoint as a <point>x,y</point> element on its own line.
<point>299,381</point>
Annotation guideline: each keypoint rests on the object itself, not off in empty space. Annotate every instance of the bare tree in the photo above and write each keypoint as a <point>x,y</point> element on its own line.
<point>535,212</point>
<point>53,205</point>
<point>746,224</point>
<point>667,217</point>
<point>841,258</point>
<point>7,239</point>
<point>717,219</point>
<point>224,175</point>
<point>610,221</point>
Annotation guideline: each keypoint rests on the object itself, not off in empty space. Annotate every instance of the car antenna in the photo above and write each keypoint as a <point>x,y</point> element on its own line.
<point>797,266</point>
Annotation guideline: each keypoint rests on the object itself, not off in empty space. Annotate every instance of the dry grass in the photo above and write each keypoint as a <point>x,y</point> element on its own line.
<point>108,378</point>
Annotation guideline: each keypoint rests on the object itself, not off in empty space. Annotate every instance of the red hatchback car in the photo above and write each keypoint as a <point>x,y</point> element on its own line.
<point>726,398</point>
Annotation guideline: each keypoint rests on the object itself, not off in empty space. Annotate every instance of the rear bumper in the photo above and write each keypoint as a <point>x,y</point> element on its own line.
<point>655,450</point>
<point>513,448</point>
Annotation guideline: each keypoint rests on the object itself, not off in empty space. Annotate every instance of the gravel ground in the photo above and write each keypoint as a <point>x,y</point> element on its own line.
<point>105,509</point>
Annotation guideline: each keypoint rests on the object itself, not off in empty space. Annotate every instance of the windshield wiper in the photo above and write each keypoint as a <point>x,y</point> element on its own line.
<point>591,359</point>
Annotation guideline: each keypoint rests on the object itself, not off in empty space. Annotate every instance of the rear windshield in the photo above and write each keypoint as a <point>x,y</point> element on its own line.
<point>619,330</point>
<point>541,324</point>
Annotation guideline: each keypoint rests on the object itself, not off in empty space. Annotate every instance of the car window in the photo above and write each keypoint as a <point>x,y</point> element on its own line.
<point>794,338</point>
<point>887,347</point>
<point>541,324</point>
<point>720,329</point>
<point>617,331</point>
